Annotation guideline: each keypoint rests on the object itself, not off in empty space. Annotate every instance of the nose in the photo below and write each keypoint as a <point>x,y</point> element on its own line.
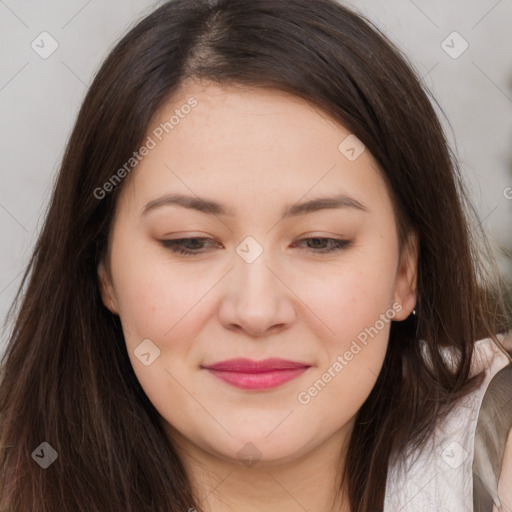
<point>256,299</point>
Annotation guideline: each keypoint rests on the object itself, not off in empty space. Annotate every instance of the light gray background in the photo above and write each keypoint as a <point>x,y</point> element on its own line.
<point>40,98</point>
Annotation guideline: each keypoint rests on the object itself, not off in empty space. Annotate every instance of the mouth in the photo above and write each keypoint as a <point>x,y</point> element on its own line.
<point>256,375</point>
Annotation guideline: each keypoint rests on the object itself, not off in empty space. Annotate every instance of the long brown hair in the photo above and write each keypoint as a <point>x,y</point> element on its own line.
<point>66,375</point>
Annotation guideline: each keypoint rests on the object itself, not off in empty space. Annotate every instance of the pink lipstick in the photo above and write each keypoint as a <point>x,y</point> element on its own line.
<point>249,374</point>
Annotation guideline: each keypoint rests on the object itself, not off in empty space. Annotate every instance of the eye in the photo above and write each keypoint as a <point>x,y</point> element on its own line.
<point>187,246</point>
<point>196,245</point>
<point>326,245</point>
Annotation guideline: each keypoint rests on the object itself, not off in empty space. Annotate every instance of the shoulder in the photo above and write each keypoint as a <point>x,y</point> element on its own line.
<point>490,356</point>
<point>505,479</point>
<point>439,473</point>
<point>492,462</point>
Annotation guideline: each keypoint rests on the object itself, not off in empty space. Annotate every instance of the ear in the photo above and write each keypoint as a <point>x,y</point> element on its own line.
<point>406,277</point>
<point>107,289</point>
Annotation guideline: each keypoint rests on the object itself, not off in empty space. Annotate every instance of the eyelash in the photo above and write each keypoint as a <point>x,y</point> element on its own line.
<point>176,245</point>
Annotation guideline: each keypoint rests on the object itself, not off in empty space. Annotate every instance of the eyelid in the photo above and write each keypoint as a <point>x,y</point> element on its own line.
<point>337,244</point>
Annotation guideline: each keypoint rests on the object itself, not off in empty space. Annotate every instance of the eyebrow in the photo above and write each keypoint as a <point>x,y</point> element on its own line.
<point>211,207</point>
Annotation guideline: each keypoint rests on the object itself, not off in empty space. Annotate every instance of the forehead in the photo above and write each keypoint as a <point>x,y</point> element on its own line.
<point>241,144</point>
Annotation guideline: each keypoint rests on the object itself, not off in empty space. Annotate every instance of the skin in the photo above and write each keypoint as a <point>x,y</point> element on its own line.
<point>256,151</point>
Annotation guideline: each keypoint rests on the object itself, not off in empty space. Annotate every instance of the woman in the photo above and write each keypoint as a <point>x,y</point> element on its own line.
<point>257,286</point>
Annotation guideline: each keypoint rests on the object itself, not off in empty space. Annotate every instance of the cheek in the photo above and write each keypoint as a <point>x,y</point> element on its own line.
<point>162,305</point>
<point>157,299</point>
<point>352,293</point>
<point>354,305</point>
<point>355,309</point>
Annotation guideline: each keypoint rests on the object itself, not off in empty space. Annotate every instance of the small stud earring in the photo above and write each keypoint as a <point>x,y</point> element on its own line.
<point>414,311</point>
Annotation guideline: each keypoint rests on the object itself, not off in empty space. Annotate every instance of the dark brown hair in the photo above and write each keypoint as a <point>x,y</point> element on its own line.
<point>66,376</point>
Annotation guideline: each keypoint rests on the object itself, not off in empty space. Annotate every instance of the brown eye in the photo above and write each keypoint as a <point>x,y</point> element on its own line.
<point>325,245</point>
<point>187,246</point>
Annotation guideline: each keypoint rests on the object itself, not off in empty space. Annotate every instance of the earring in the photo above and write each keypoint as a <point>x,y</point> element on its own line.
<point>414,312</point>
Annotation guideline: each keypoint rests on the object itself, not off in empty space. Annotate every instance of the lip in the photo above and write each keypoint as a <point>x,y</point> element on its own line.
<point>250,374</point>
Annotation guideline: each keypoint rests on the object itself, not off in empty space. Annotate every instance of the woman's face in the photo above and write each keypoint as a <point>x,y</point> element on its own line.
<point>266,279</point>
